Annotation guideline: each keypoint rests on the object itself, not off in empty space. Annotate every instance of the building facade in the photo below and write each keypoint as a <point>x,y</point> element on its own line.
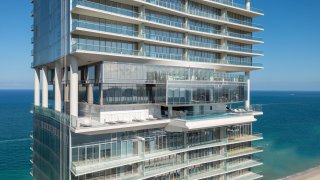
<point>144,89</point>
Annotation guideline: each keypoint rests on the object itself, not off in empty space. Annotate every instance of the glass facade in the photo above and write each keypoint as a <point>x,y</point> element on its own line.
<point>134,90</point>
<point>184,85</point>
<point>50,144</point>
<point>163,18</point>
<point>50,42</point>
<point>105,25</point>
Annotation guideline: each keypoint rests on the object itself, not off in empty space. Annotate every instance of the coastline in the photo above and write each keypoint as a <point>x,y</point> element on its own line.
<point>309,174</point>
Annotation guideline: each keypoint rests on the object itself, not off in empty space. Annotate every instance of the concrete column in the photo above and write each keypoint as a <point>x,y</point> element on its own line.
<point>247,102</point>
<point>90,93</point>
<point>44,86</point>
<point>248,4</point>
<point>186,22</point>
<point>185,55</point>
<point>74,86</point>
<point>37,87</point>
<point>141,30</point>
<point>170,111</point>
<point>185,39</point>
<point>186,4</point>
<point>57,87</point>
<point>141,48</point>
<point>142,11</point>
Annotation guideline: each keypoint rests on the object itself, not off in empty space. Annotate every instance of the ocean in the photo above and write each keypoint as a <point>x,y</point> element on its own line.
<point>290,126</point>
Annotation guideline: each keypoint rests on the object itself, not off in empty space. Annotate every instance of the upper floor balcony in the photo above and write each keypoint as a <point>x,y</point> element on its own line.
<point>145,55</point>
<point>104,155</point>
<point>182,7</point>
<point>141,17</point>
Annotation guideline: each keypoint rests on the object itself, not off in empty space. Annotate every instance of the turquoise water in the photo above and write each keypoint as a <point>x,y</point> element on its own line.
<point>290,125</point>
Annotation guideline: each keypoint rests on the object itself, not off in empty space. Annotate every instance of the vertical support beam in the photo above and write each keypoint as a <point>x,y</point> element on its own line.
<point>142,12</point>
<point>186,5</point>
<point>170,111</point>
<point>247,102</point>
<point>36,87</point>
<point>73,86</point>
<point>57,87</point>
<point>44,86</point>
<point>248,5</point>
<point>90,93</point>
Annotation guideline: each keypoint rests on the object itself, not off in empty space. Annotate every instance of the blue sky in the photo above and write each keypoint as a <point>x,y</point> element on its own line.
<point>292,45</point>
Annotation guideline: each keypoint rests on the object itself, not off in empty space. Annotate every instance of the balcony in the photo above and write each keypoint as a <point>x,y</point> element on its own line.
<point>150,55</point>
<point>133,14</point>
<point>245,138</point>
<point>182,8</point>
<point>103,7</point>
<point>236,5</point>
<point>247,176</point>
<point>243,151</point>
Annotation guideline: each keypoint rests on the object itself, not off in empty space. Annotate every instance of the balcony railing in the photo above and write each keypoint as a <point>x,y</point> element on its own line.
<point>156,19</point>
<point>167,4</point>
<point>105,8</point>
<point>163,38</point>
<point>237,5</point>
<point>164,21</point>
<point>107,49</point>
<point>103,27</point>
<point>179,57</point>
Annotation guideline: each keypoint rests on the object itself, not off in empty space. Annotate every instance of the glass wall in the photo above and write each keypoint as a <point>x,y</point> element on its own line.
<point>204,27</point>
<point>237,131</point>
<point>203,168</point>
<point>110,6</point>
<point>204,10</point>
<point>237,18</point>
<point>103,45</point>
<point>172,4</point>
<point>241,60</point>
<point>126,171</point>
<point>202,41</point>
<point>234,46</point>
<point>198,137</point>
<point>203,56</point>
<point>49,19</point>
<point>205,93</point>
<point>104,25</point>
<point>163,35</point>
<point>163,52</point>
<point>163,18</point>
<point>113,73</point>
<point>50,145</point>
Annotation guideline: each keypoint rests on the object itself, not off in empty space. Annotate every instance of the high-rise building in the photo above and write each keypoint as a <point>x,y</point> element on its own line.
<point>144,89</point>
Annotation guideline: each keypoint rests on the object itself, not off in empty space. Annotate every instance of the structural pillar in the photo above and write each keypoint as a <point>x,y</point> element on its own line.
<point>248,4</point>
<point>36,87</point>
<point>90,93</point>
<point>247,102</point>
<point>57,87</point>
<point>45,87</point>
<point>73,86</point>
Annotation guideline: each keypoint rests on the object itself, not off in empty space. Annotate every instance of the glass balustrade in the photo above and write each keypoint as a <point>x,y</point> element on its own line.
<point>237,5</point>
<point>104,7</point>
<point>100,48</point>
<point>134,14</point>
<point>168,4</point>
<point>103,27</point>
